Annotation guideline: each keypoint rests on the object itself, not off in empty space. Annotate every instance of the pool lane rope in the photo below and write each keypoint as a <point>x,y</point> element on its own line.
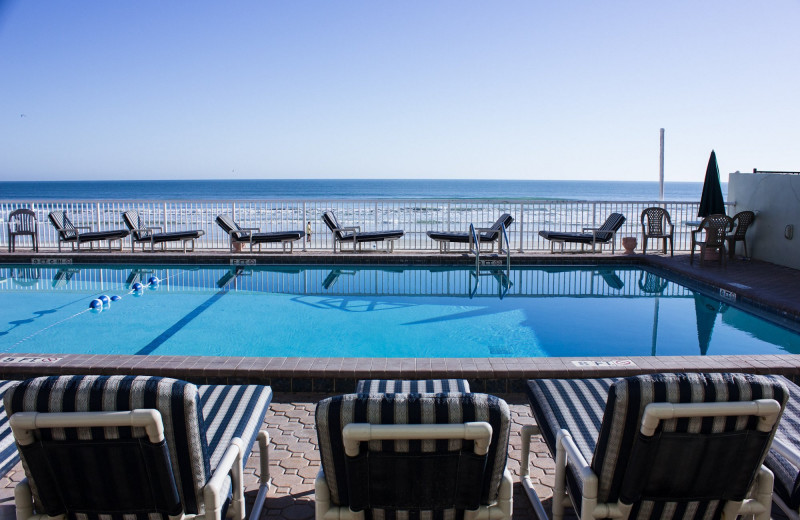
<point>103,302</point>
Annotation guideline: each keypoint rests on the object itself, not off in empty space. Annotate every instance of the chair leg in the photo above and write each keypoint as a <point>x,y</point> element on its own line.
<point>23,500</point>
<point>528,431</point>
<point>264,480</point>
<point>644,245</point>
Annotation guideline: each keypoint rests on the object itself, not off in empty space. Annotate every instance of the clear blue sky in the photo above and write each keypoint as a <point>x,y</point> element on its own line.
<point>412,89</point>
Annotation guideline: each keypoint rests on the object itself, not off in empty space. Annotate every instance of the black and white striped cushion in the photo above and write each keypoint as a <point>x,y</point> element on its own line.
<point>198,423</point>
<point>232,411</point>
<point>421,386</point>
<point>334,413</point>
<point>8,450</point>
<point>576,405</point>
<point>787,475</point>
<point>177,401</point>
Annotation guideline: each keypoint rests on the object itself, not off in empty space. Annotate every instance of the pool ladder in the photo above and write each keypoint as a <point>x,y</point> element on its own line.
<point>503,278</point>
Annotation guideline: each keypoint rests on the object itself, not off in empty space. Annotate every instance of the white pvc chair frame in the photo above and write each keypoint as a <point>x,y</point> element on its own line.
<point>793,456</point>
<point>23,425</point>
<point>357,246</point>
<point>768,411</point>
<point>355,433</point>
<point>595,231</point>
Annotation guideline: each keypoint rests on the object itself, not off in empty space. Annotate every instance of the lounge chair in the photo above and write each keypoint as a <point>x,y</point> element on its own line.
<point>356,236</point>
<point>713,229</point>
<point>602,235</point>
<point>21,223</point>
<point>684,446</point>
<point>657,224</point>
<point>68,232</point>
<point>9,456</point>
<point>420,386</point>
<point>428,471</point>
<point>143,234</point>
<point>784,457</point>
<point>239,235</point>
<point>489,235</point>
<point>741,221</point>
<point>138,445</point>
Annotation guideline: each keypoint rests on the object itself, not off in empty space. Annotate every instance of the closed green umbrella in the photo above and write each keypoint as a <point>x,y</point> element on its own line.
<point>711,202</point>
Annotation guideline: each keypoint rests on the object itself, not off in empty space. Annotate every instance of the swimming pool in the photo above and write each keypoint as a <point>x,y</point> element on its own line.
<point>340,311</point>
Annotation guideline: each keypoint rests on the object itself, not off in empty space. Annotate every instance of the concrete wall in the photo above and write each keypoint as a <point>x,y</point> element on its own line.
<point>776,200</point>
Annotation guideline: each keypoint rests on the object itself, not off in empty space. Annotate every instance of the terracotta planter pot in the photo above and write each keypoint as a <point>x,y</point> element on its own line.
<point>629,243</point>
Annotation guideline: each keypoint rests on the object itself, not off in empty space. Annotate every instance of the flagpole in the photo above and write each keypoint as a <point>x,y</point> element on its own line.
<point>661,169</point>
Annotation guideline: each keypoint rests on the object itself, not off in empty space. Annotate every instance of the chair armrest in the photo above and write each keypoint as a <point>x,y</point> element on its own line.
<point>478,232</point>
<point>567,450</point>
<point>230,464</point>
<point>87,228</point>
<point>595,231</point>
<point>790,452</point>
<point>349,228</point>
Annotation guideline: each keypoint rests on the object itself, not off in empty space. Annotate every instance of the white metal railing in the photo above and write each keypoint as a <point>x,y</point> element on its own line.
<point>414,216</point>
<point>601,281</point>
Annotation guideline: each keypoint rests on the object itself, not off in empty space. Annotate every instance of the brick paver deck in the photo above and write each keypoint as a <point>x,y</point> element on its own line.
<point>295,460</point>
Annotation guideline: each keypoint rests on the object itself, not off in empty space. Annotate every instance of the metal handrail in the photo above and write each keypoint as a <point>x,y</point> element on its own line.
<point>508,248</point>
<point>473,241</point>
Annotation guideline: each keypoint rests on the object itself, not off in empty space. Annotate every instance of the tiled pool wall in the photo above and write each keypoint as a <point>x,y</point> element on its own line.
<point>495,375</point>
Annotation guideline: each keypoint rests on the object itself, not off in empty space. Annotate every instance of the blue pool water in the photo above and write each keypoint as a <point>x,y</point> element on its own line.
<point>320,311</point>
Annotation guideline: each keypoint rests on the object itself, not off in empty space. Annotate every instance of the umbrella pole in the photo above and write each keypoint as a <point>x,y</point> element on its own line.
<point>654,339</point>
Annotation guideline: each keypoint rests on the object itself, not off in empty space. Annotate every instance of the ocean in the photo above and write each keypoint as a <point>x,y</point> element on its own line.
<point>326,189</point>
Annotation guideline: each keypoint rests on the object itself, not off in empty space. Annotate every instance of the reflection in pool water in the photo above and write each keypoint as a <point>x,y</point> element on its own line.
<point>389,311</point>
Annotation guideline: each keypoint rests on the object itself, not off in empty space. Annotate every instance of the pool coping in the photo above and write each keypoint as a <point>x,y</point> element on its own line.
<point>290,374</point>
<point>332,374</point>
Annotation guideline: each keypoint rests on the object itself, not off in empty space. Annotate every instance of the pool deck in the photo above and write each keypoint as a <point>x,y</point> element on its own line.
<point>301,383</point>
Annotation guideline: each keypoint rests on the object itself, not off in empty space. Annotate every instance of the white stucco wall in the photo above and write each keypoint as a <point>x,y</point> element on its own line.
<point>776,200</point>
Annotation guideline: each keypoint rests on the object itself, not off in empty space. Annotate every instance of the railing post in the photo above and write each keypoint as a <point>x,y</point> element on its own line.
<point>97,212</point>
<point>521,227</point>
<point>164,216</point>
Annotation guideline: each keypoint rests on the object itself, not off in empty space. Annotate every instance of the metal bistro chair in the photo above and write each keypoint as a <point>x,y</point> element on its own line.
<point>22,222</point>
<point>658,220</point>
<point>714,228</point>
<point>741,221</point>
